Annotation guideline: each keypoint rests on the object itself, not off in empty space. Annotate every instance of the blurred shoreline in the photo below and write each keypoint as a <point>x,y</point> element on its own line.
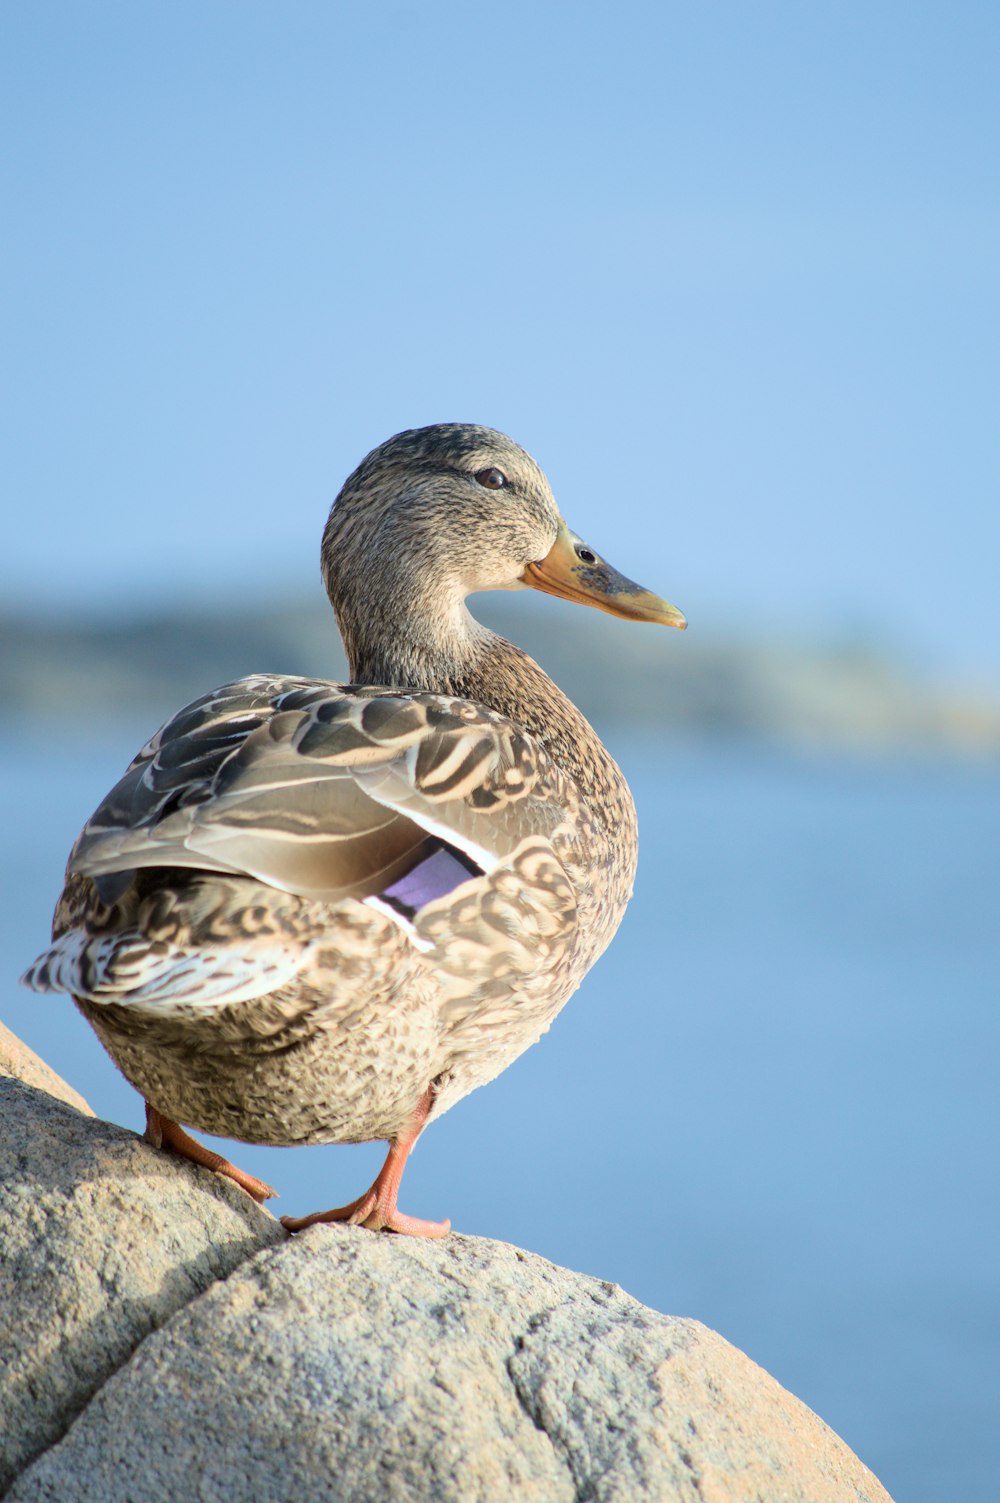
<point>827,697</point>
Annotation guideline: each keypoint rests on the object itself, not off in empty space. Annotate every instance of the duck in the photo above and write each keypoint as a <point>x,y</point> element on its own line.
<point>313,912</point>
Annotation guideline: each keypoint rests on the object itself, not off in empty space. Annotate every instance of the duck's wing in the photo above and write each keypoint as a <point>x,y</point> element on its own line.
<point>205,876</point>
<point>326,792</point>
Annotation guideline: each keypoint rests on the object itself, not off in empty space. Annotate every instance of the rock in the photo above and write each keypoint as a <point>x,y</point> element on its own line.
<point>170,1344</point>
<point>22,1063</point>
<point>102,1240</point>
<point>348,1365</point>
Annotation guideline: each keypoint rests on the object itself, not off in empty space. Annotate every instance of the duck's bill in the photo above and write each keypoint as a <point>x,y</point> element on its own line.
<point>574,571</point>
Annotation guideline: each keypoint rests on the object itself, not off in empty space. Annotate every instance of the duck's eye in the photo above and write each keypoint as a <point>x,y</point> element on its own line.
<point>492,478</point>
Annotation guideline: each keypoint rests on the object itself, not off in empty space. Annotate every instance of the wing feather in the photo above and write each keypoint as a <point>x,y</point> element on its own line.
<point>322,790</point>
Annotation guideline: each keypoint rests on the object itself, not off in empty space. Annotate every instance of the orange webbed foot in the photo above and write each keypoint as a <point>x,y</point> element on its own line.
<point>163,1132</point>
<point>377,1208</point>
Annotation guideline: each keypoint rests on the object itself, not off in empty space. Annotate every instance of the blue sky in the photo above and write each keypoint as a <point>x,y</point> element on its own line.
<point>729,271</point>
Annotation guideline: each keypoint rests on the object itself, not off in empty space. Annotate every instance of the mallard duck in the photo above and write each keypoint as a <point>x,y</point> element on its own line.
<point>323,913</point>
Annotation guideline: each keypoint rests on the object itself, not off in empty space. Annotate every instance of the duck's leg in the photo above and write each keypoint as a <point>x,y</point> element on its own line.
<point>377,1209</point>
<point>163,1132</point>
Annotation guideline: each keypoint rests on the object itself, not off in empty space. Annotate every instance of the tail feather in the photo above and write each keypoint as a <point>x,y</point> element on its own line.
<point>128,970</point>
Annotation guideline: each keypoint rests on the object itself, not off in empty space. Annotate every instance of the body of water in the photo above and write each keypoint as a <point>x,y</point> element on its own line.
<point>772,1106</point>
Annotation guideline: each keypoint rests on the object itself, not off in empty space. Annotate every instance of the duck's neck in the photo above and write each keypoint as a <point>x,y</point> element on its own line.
<point>405,644</point>
<point>461,657</point>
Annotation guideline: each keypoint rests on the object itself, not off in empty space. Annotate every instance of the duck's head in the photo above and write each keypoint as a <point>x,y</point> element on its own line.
<point>437,513</point>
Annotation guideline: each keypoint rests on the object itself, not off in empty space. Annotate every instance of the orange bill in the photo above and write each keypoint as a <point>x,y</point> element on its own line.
<point>574,571</point>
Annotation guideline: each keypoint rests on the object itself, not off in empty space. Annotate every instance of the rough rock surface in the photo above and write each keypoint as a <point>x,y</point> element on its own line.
<point>22,1063</point>
<point>164,1342</point>
<point>102,1240</point>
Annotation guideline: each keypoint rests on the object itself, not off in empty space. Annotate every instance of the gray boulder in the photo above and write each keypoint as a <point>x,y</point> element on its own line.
<point>102,1240</point>
<point>167,1342</point>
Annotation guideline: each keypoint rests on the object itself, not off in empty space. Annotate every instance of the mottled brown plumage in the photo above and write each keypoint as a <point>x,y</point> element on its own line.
<point>311,912</point>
